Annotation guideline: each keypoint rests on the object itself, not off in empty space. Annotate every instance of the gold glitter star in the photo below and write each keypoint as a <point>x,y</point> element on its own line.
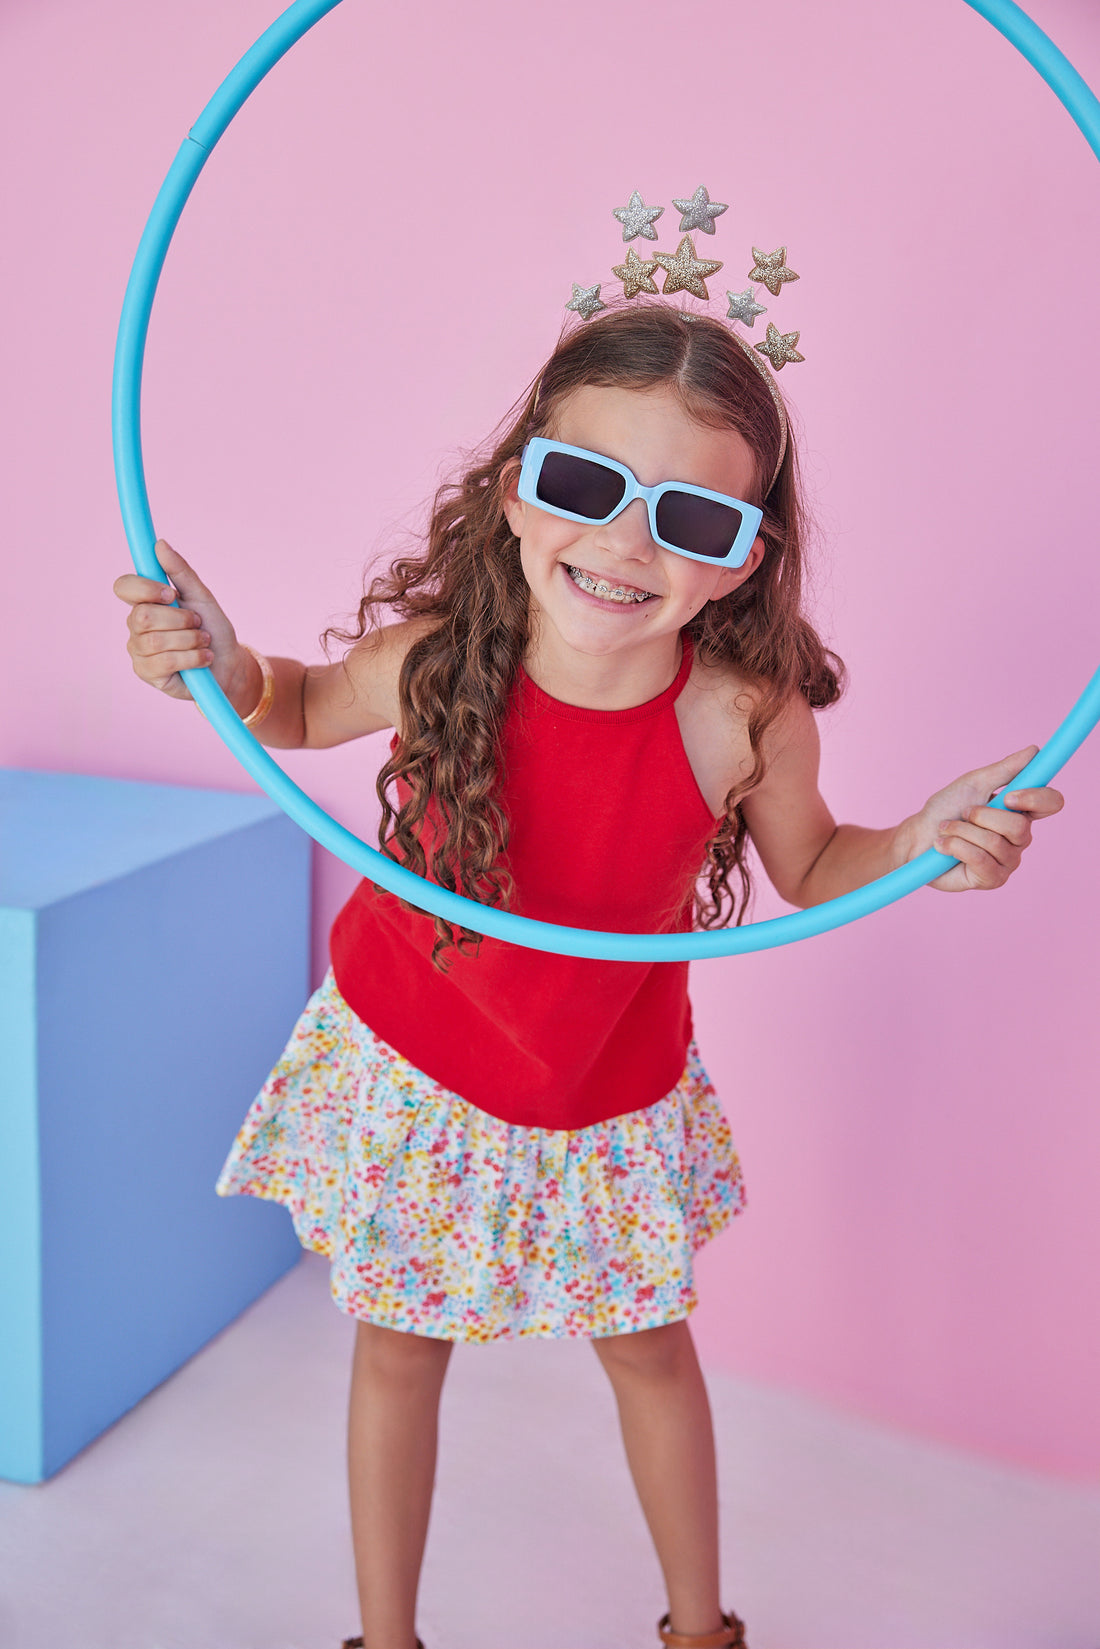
<point>586,301</point>
<point>636,274</point>
<point>779,347</point>
<point>684,271</point>
<point>771,268</point>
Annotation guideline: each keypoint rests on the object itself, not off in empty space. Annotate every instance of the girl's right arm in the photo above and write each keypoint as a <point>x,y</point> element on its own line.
<point>314,706</point>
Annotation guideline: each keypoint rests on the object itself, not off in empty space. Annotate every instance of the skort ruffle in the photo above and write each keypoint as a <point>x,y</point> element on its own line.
<point>442,1220</point>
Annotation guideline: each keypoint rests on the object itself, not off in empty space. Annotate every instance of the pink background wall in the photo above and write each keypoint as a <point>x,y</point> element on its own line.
<point>373,264</point>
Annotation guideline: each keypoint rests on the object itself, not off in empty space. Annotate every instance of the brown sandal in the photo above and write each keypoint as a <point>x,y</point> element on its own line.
<point>357,1643</point>
<point>732,1635</point>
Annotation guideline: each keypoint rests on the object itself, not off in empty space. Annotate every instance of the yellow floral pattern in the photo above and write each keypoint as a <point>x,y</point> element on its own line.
<point>440,1219</point>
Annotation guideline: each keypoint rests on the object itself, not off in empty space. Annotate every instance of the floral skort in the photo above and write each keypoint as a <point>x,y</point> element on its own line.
<point>442,1220</point>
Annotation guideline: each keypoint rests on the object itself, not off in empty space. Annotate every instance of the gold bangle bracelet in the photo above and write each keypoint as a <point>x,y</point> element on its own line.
<point>267,695</point>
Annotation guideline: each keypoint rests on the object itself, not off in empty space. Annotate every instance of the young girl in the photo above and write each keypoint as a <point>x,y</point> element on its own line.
<point>594,713</point>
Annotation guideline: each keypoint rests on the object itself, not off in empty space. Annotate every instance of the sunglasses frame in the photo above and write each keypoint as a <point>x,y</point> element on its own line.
<point>536,450</point>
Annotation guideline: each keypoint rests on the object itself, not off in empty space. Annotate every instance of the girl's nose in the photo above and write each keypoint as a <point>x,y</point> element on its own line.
<point>628,535</point>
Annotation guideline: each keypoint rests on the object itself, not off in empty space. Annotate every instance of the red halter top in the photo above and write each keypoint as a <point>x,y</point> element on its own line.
<point>609,831</point>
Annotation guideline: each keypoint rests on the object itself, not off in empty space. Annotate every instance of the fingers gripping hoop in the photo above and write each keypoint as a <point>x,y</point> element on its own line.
<point>286,30</point>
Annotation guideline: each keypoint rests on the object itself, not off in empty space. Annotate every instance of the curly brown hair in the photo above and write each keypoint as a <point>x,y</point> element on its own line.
<point>467,579</point>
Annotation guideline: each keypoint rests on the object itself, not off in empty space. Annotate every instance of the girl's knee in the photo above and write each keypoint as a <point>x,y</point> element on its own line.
<point>652,1351</point>
<point>393,1352</point>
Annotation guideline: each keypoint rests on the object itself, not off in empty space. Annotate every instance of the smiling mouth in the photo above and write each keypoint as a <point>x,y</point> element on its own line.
<point>626,594</point>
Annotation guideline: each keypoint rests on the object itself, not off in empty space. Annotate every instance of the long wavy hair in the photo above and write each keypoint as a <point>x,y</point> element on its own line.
<point>466,578</point>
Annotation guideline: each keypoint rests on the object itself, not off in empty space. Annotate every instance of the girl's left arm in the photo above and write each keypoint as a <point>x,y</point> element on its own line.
<point>810,858</point>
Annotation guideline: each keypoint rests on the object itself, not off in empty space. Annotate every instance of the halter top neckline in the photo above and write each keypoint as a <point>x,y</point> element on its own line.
<point>545,702</point>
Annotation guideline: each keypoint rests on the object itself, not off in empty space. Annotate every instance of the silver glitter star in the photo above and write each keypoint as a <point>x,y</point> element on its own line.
<point>684,271</point>
<point>586,301</point>
<point>699,212</point>
<point>771,268</point>
<point>636,274</point>
<point>637,218</point>
<point>779,347</point>
<point>743,307</point>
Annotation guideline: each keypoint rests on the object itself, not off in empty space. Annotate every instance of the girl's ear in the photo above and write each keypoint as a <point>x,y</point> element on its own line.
<point>731,577</point>
<point>514,507</point>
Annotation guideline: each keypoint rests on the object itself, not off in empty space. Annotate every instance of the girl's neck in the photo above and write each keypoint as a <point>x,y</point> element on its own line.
<point>608,681</point>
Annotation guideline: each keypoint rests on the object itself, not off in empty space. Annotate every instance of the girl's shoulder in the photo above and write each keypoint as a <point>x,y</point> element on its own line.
<point>713,710</point>
<point>359,693</point>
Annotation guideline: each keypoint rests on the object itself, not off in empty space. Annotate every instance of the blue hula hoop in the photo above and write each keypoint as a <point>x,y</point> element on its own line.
<point>286,30</point>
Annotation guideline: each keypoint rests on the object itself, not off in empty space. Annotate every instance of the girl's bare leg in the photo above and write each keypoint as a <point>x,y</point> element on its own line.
<point>664,1413</point>
<point>393,1429</point>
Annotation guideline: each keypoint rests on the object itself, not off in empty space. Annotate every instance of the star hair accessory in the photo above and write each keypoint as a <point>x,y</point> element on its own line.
<point>771,268</point>
<point>636,274</point>
<point>586,301</point>
<point>685,271</point>
<point>743,307</point>
<point>638,219</point>
<point>699,212</point>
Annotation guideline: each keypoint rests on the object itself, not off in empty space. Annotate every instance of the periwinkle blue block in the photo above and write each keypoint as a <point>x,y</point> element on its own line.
<point>154,956</point>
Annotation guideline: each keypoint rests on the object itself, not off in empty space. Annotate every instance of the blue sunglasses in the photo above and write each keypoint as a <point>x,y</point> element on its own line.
<point>585,486</point>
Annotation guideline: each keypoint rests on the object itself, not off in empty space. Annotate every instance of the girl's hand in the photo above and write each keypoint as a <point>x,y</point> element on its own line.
<point>165,640</point>
<point>988,841</point>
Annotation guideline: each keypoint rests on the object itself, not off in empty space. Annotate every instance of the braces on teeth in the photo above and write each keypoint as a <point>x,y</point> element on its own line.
<point>608,591</point>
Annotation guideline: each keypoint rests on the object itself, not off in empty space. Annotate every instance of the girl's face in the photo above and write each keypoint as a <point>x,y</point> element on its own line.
<point>650,432</point>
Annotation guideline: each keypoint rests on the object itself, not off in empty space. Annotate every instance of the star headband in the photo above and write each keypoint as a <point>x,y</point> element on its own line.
<point>685,271</point>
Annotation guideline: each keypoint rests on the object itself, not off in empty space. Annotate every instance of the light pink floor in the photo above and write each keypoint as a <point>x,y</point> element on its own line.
<point>213,1516</point>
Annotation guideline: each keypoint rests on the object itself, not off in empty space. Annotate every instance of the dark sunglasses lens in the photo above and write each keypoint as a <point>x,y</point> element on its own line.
<point>577,484</point>
<point>698,524</point>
